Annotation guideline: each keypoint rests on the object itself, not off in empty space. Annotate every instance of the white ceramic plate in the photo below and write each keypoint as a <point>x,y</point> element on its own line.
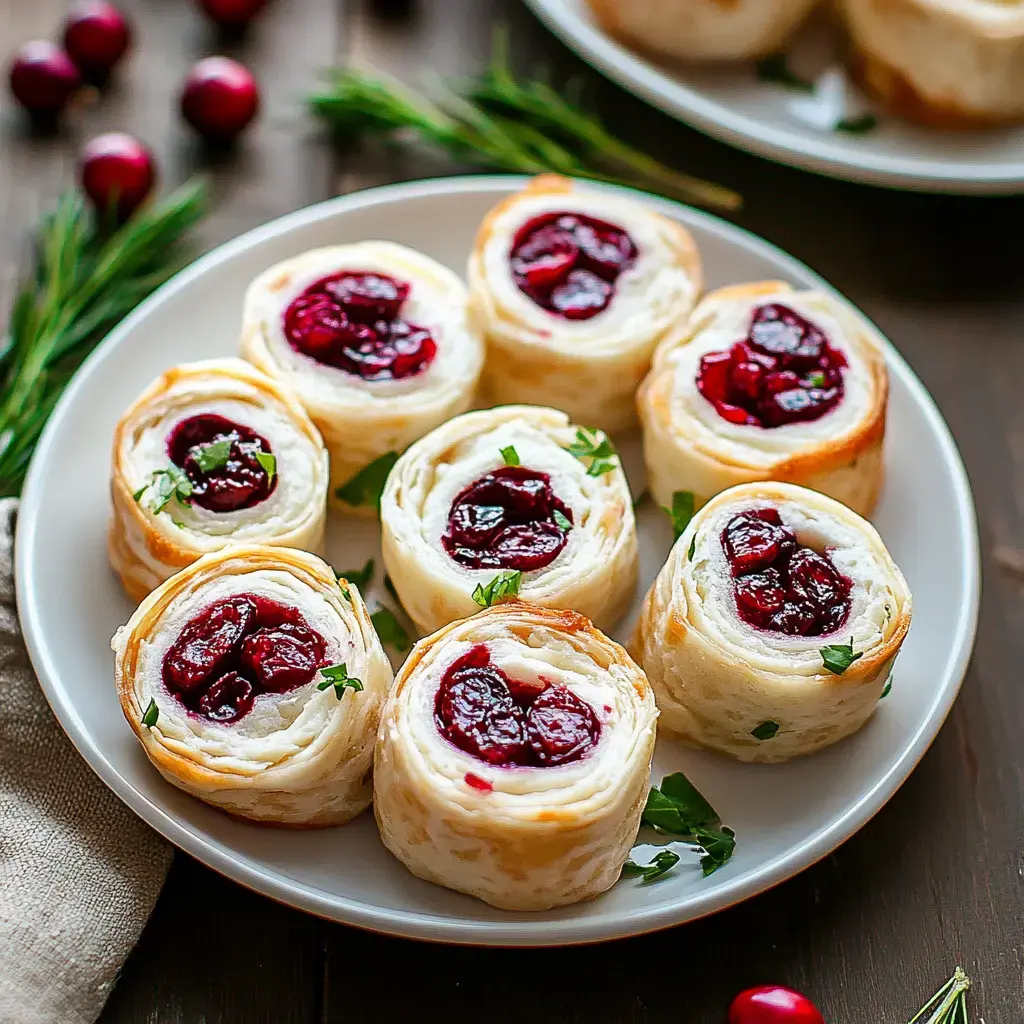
<point>731,104</point>
<point>786,816</point>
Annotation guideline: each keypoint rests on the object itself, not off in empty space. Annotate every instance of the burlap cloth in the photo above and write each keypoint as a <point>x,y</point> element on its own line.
<point>79,873</point>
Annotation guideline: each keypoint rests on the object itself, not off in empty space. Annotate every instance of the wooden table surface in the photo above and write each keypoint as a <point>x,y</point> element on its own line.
<point>937,878</point>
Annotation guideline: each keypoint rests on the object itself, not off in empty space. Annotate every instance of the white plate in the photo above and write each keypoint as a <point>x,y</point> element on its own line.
<point>786,816</point>
<point>731,104</point>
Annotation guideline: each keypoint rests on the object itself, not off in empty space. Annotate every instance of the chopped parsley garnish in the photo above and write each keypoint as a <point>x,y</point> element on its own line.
<point>505,584</point>
<point>338,677</point>
<point>660,863</point>
<point>861,124</point>
<point>510,455</point>
<point>367,486</point>
<point>816,379</point>
<point>693,547</point>
<point>765,731</point>
<point>213,456</point>
<point>595,446</point>
<point>360,577</point>
<point>165,485</point>
<point>562,520</point>
<point>152,714</point>
<point>389,629</point>
<point>681,512</point>
<point>887,688</point>
<point>837,658</point>
<point>269,464</point>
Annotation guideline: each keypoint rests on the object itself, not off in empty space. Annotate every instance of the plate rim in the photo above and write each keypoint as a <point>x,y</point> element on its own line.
<point>659,89</point>
<point>518,931</point>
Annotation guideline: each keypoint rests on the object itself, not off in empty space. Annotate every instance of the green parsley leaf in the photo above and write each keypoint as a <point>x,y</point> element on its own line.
<point>269,464</point>
<point>858,125</point>
<point>888,687</point>
<point>389,629</point>
<point>661,862</point>
<point>362,578</point>
<point>166,484</point>
<point>505,584</point>
<point>510,455</point>
<point>338,677</point>
<point>681,512</point>
<point>215,455</point>
<point>718,846</point>
<point>594,445</point>
<point>693,547</point>
<point>816,379</point>
<point>140,492</point>
<point>152,714</point>
<point>837,658</point>
<point>367,486</point>
<point>765,731</point>
<point>562,521</point>
<point>776,69</point>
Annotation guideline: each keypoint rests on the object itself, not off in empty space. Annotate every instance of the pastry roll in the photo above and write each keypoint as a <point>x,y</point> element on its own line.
<point>943,62</point>
<point>212,453</point>
<point>514,757</point>
<point>374,339</point>
<point>773,626</point>
<point>509,493</point>
<point>574,287</point>
<point>254,680</point>
<point>767,383</point>
<point>706,30</point>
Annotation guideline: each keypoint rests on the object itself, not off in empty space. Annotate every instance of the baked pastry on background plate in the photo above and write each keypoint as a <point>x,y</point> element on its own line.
<point>254,680</point>
<point>772,629</point>
<point>374,340</point>
<point>943,62</point>
<point>767,383</point>
<point>573,287</point>
<point>212,453</point>
<point>703,29</point>
<point>514,757</point>
<point>509,500</point>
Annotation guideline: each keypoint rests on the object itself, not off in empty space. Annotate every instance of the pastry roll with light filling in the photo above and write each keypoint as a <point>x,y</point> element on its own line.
<point>767,383</point>
<point>772,629</point>
<point>212,453</point>
<point>574,287</point>
<point>254,681</point>
<point>705,30</point>
<point>514,757</point>
<point>510,500</point>
<point>943,62</point>
<point>375,341</point>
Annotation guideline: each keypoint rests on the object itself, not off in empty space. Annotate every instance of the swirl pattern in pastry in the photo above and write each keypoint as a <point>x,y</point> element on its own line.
<point>509,831</point>
<point>814,349</point>
<point>456,515</point>
<point>219,675</point>
<point>728,676</point>
<point>265,479</point>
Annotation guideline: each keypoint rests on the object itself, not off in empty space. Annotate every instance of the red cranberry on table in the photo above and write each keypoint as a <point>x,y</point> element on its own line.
<point>220,98</point>
<point>96,37</point>
<point>43,78</point>
<point>232,13</point>
<point>773,1004</point>
<point>117,171</point>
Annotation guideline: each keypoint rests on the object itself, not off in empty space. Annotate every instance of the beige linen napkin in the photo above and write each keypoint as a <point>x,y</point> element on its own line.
<point>79,873</point>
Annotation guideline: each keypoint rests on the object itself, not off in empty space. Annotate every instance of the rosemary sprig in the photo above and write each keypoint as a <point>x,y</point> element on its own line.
<point>85,281</point>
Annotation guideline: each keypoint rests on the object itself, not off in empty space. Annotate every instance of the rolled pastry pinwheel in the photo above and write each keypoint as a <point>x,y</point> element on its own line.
<point>374,339</point>
<point>943,62</point>
<point>574,287</point>
<point>772,629</point>
<point>767,383</point>
<point>212,453</point>
<point>514,500</point>
<point>707,30</point>
<point>254,681</point>
<point>514,757</point>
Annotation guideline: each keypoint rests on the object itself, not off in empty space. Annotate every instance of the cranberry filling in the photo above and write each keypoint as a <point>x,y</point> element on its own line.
<point>351,321</point>
<point>508,723</point>
<point>506,520</point>
<point>784,371</point>
<point>238,482</point>
<point>568,263</point>
<point>780,584</point>
<point>237,649</point>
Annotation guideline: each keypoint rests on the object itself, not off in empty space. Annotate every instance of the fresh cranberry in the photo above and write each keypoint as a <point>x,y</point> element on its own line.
<point>117,173</point>
<point>241,481</point>
<point>237,649</point>
<point>506,520</point>
<point>507,723</point>
<point>220,98</point>
<point>43,78</point>
<point>96,36</point>
<point>781,585</point>
<point>568,263</point>
<point>784,371</point>
<point>352,321</point>
<point>232,13</point>
<point>773,1004</point>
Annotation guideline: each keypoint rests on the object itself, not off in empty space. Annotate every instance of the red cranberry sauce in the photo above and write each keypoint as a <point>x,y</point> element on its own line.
<point>240,482</point>
<point>784,371</point>
<point>568,263</point>
<point>508,723</point>
<point>506,520</point>
<point>352,321</point>
<point>781,585</point>
<point>237,649</point>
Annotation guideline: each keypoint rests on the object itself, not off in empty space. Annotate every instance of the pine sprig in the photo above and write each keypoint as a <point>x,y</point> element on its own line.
<point>85,281</point>
<point>948,1005</point>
